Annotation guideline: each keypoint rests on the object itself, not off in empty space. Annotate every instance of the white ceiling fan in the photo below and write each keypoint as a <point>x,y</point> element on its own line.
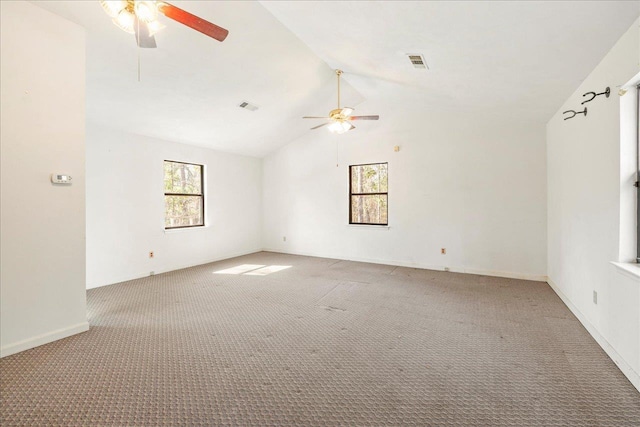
<point>339,119</point>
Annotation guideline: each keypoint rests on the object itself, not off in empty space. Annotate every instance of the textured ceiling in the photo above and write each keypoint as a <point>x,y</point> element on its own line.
<point>521,58</point>
<point>513,58</point>
<point>191,85</point>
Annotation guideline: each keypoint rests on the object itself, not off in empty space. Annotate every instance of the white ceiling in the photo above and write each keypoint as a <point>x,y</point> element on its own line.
<point>191,85</point>
<point>515,58</point>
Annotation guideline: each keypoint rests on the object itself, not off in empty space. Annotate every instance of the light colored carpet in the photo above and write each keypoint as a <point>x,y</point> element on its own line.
<point>324,342</point>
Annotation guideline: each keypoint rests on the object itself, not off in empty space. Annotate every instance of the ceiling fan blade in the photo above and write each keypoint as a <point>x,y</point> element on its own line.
<point>143,36</point>
<point>192,21</point>
<point>319,126</point>
<point>346,111</point>
<point>363,118</point>
<point>315,117</point>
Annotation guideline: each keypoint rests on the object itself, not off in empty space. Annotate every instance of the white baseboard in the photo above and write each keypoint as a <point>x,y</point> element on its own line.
<point>14,348</point>
<point>626,369</point>
<point>127,278</point>
<point>493,273</point>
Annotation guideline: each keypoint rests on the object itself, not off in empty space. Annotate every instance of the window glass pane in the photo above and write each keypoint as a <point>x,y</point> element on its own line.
<point>182,211</point>
<point>382,178</point>
<point>182,178</point>
<point>369,178</point>
<point>369,209</point>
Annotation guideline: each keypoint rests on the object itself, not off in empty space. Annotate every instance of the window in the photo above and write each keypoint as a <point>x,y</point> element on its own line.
<point>368,194</point>
<point>629,237</point>
<point>183,195</point>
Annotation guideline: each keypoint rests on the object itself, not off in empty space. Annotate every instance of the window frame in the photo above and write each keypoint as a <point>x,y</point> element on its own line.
<point>637,183</point>
<point>201,195</point>
<point>386,224</point>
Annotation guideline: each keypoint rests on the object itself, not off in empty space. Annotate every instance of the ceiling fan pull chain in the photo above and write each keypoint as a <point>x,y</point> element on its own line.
<point>138,65</point>
<point>138,43</point>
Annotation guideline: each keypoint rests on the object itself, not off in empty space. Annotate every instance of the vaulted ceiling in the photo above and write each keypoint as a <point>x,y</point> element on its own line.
<point>514,58</point>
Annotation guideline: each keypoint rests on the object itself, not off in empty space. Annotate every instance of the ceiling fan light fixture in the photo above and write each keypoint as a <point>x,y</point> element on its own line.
<point>346,111</point>
<point>113,8</point>
<point>340,127</point>
<point>335,127</point>
<point>125,21</point>
<point>155,27</point>
<point>146,11</point>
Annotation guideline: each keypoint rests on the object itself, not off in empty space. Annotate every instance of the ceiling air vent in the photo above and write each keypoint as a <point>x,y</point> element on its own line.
<point>417,60</point>
<point>247,106</point>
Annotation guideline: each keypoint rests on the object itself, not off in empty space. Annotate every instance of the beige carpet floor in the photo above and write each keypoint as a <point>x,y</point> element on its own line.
<point>326,343</point>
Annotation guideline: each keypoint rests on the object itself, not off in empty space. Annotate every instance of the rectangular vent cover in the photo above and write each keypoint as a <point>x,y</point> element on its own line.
<point>417,60</point>
<point>247,106</point>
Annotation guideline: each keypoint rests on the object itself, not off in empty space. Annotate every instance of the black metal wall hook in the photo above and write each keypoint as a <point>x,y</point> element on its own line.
<point>606,93</point>
<point>574,113</point>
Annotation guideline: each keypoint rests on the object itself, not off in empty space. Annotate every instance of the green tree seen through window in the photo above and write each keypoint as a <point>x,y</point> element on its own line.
<point>368,194</point>
<point>183,195</point>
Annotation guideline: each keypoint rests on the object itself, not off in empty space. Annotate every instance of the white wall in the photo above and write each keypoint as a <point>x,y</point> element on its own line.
<point>469,182</point>
<point>584,198</point>
<point>125,207</point>
<point>42,74</point>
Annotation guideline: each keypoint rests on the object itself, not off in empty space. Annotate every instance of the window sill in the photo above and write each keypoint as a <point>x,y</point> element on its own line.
<point>370,226</point>
<point>182,230</point>
<point>628,269</point>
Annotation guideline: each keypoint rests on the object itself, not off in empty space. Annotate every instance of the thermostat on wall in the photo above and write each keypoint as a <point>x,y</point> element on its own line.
<point>60,179</point>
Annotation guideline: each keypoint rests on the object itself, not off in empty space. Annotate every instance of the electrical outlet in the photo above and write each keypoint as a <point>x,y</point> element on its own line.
<point>595,297</point>
<point>284,238</point>
<point>151,273</point>
<point>446,269</point>
<point>443,251</point>
<point>151,254</point>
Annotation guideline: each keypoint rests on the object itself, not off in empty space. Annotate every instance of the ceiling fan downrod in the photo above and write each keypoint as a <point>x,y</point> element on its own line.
<point>338,73</point>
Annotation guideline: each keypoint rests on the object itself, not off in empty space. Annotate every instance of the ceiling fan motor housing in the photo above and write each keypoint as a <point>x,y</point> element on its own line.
<point>337,115</point>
